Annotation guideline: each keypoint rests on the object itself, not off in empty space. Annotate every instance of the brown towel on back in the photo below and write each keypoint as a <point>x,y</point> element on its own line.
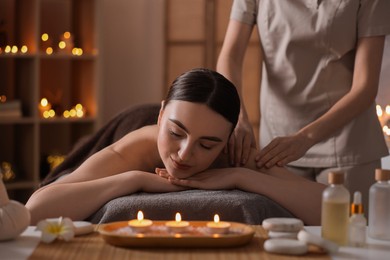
<point>129,120</point>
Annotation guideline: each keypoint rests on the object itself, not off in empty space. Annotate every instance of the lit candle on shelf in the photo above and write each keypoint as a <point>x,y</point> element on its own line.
<point>66,42</point>
<point>177,226</point>
<point>44,106</point>
<point>77,51</point>
<point>140,224</point>
<point>24,49</point>
<point>217,226</point>
<point>46,44</point>
<point>49,51</point>
<point>62,45</point>
<point>49,113</point>
<point>77,111</point>
<point>14,49</point>
<point>45,37</point>
<point>7,49</point>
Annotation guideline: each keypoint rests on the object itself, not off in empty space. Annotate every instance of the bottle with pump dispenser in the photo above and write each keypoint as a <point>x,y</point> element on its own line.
<point>379,206</point>
<point>357,222</point>
<point>335,210</point>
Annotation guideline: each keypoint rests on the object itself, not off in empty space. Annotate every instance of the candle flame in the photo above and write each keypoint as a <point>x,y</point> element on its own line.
<point>387,109</point>
<point>178,217</point>
<point>140,216</point>
<point>216,218</point>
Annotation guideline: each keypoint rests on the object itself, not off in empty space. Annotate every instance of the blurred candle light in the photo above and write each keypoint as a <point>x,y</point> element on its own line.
<point>77,51</point>
<point>386,130</point>
<point>7,49</point>
<point>46,44</point>
<point>67,35</point>
<point>24,49</point>
<point>66,41</point>
<point>45,37</point>
<point>79,110</point>
<point>49,50</point>
<point>52,113</point>
<point>72,112</point>
<point>66,114</point>
<point>62,45</point>
<point>44,107</point>
<point>379,113</point>
<point>14,49</point>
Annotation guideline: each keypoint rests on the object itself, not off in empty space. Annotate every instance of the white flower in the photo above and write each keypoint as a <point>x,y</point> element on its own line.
<point>61,228</point>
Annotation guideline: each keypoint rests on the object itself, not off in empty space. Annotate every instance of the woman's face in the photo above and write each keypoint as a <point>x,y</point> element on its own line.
<point>191,136</point>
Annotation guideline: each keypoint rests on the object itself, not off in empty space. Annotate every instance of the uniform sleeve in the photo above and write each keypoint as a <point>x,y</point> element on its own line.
<point>373,18</point>
<point>244,11</point>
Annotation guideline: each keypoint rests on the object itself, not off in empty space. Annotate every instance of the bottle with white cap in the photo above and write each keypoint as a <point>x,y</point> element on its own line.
<point>335,209</point>
<point>357,222</point>
<point>379,206</point>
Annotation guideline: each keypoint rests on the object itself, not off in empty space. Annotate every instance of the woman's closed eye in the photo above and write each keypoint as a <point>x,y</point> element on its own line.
<point>175,134</point>
<point>206,146</point>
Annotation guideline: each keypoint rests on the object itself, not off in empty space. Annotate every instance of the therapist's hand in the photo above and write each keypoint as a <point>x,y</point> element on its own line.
<point>241,142</point>
<point>283,150</point>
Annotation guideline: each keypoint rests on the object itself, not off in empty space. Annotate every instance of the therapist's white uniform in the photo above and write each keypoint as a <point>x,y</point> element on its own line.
<point>309,51</point>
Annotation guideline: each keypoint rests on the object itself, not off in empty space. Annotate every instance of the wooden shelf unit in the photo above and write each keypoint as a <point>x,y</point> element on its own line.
<point>63,78</point>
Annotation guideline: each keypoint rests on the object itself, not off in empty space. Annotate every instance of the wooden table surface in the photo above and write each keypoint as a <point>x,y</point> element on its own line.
<point>93,246</point>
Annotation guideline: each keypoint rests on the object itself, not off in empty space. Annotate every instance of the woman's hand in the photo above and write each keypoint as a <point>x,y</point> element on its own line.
<point>153,183</point>
<point>215,179</point>
<point>282,150</point>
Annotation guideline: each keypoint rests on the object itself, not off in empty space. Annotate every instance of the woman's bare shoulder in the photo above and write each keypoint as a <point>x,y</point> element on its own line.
<point>146,133</point>
<point>139,145</point>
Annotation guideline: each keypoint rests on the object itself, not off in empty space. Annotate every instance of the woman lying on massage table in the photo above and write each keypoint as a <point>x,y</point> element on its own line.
<point>185,149</point>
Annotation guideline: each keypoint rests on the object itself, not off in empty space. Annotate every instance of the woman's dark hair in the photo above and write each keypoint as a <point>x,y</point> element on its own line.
<point>207,87</point>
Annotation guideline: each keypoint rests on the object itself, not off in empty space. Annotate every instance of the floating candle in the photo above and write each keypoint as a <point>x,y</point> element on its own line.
<point>140,224</point>
<point>218,227</point>
<point>178,225</point>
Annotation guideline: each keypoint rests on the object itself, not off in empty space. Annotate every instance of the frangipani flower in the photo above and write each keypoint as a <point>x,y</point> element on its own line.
<point>61,228</point>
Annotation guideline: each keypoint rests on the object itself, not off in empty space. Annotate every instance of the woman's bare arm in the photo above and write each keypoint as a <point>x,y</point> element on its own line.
<point>78,200</point>
<point>117,170</point>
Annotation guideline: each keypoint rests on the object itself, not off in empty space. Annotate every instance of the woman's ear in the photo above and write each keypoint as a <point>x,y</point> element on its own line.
<point>161,112</point>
